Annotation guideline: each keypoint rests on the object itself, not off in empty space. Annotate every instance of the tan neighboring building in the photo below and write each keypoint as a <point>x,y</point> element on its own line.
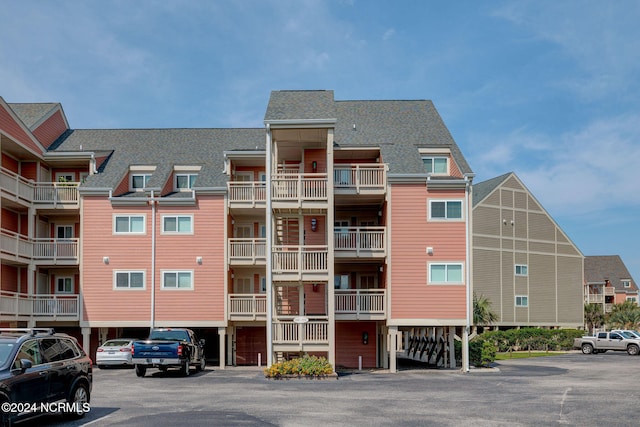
<point>522,260</point>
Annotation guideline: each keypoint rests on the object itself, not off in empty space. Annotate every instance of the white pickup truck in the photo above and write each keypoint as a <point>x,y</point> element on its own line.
<point>603,341</point>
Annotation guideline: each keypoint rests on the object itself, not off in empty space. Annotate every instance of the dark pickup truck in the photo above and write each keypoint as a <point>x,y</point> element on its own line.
<point>169,348</point>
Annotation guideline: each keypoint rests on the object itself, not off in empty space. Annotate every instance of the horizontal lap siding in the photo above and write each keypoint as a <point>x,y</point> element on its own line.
<point>103,303</point>
<point>50,129</point>
<point>10,127</point>
<point>411,234</point>
<point>349,345</point>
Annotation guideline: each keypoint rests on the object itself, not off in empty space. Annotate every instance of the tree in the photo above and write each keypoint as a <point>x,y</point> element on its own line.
<point>624,316</point>
<point>593,316</point>
<point>483,314</point>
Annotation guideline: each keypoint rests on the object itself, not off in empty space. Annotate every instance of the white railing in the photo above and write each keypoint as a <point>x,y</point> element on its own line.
<point>299,187</point>
<point>16,185</point>
<point>247,192</point>
<point>360,176</point>
<point>360,301</point>
<point>357,239</point>
<point>247,251</point>
<point>50,193</point>
<point>247,306</point>
<point>594,299</point>
<point>56,193</point>
<point>312,332</point>
<point>40,249</point>
<point>299,259</point>
<point>44,305</point>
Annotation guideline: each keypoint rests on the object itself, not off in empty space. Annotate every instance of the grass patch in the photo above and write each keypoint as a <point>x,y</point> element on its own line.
<point>526,354</point>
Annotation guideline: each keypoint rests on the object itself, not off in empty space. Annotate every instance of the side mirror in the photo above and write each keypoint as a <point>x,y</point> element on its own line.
<point>201,342</point>
<point>24,365</point>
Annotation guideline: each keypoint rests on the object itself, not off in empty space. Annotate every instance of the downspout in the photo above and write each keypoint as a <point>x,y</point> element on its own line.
<point>468,190</point>
<point>269,226</point>
<point>152,200</point>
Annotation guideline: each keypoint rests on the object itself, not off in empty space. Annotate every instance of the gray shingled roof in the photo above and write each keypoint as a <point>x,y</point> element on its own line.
<point>163,148</point>
<point>398,127</point>
<point>599,268</point>
<point>484,188</point>
<point>30,114</point>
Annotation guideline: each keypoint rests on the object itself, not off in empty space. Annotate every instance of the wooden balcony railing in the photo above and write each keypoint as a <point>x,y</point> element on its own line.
<point>247,193</point>
<point>300,259</point>
<point>360,177</point>
<point>58,194</point>
<point>61,307</point>
<point>293,187</point>
<point>41,250</point>
<point>315,331</point>
<point>360,301</point>
<point>247,251</point>
<point>247,306</point>
<point>361,241</point>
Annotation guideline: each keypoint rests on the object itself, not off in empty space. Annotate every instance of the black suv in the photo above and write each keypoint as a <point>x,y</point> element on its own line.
<point>42,372</point>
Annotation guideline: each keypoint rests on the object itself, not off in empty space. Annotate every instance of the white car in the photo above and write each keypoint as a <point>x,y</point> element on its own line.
<point>634,334</point>
<point>115,352</point>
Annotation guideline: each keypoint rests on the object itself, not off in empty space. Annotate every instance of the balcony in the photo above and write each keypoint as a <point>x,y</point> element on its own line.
<point>20,306</point>
<point>247,307</point>
<point>360,304</point>
<point>292,336</point>
<point>360,179</point>
<point>42,251</point>
<point>247,251</point>
<point>295,190</point>
<point>296,263</point>
<point>243,194</point>
<point>359,242</point>
<point>47,195</point>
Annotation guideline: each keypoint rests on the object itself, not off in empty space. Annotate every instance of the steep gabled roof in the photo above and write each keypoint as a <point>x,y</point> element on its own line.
<point>32,114</point>
<point>599,268</point>
<point>482,189</point>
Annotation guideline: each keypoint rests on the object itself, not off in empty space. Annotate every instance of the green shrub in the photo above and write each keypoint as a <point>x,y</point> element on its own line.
<point>303,366</point>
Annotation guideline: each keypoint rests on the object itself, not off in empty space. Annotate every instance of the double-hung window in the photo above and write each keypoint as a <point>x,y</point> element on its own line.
<point>128,224</point>
<point>177,280</point>
<point>522,301</point>
<point>446,273</point>
<point>128,280</point>
<point>179,224</point>
<point>445,210</point>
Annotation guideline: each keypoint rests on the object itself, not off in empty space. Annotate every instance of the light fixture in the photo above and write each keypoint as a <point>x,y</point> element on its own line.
<point>105,259</point>
<point>199,260</point>
<point>429,250</point>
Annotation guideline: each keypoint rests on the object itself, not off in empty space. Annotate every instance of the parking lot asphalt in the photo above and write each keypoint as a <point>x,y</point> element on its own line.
<point>571,389</point>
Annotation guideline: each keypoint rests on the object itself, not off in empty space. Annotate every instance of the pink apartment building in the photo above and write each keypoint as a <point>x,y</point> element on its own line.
<point>341,228</point>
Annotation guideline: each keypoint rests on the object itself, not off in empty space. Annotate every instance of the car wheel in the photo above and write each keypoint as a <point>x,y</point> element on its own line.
<point>141,370</point>
<point>77,400</point>
<point>185,369</point>
<point>633,350</point>
<point>201,365</point>
<point>5,417</point>
<point>587,348</point>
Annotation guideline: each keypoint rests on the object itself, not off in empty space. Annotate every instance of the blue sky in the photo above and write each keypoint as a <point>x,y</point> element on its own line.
<point>546,89</point>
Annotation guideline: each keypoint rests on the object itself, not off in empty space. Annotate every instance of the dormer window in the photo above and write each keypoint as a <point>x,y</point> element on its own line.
<point>185,181</point>
<point>436,165</point>
<point>139,181</point>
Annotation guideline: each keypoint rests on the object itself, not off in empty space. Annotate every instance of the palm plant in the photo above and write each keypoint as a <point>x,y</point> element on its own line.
<point>624,316</point>
<point>483,314</point>
<point>593,316</point>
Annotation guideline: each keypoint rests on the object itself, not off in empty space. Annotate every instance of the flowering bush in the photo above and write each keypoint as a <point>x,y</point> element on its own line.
<point>304,366</point>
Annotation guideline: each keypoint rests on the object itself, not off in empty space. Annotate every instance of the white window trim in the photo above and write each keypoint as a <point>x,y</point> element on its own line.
<point>187,174</point>
<point>65,175</point>
<point>129,288</point>
<point>65,226</point>
<point>515,301</point>
<point>515,270</point>
<point>125,233</point>
<point>73,285</point>
<point>133,174</point>
<point>163,272</point>
<point>626,283</point>
<point>163,231</point>
<point>462,272</point>
<point>439,156</point>
<point>462,210</point>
